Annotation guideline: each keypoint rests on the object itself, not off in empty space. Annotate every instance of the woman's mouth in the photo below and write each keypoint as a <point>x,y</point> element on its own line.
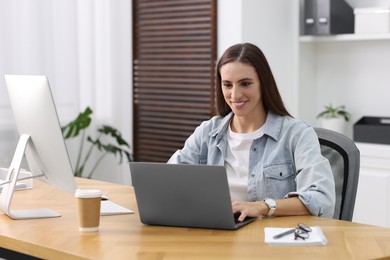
<point>238,104</point>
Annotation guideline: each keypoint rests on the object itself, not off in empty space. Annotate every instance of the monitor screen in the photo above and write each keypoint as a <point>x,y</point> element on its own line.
<point>36,116</point>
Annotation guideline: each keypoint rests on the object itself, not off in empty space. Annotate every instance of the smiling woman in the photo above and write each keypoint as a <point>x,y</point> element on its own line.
<point>240,88</point>
<point>273,161</point>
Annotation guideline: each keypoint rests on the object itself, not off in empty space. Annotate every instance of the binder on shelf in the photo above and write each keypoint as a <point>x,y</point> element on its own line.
<point>326,17</point>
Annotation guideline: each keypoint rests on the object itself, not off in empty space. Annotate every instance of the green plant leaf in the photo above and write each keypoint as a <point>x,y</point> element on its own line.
<point>333,112</point>
<point>108,130</point>
<point>79,125</point>
<point>109,148</point>
<point>82,121</point>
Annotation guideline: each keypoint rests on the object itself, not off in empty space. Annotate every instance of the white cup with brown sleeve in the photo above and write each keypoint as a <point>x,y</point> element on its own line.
<point>88,201</point>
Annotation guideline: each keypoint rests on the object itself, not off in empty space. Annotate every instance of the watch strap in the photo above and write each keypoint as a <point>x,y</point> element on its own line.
<point>271,204</point>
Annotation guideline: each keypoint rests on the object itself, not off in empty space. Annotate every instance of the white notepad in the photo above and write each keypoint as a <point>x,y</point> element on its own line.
<point>316,238</point>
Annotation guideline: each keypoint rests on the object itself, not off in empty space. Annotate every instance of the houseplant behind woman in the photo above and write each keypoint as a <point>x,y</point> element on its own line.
<point>334,118</point>
<point>273,161</point>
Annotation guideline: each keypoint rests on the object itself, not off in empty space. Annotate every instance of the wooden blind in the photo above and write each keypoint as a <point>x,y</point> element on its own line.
<point>173,73</point>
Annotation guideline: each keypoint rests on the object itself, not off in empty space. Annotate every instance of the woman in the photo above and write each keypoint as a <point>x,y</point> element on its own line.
<point>273,161</point>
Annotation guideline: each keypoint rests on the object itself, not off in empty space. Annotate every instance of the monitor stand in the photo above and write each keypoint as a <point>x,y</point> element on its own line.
<point>10,182</point>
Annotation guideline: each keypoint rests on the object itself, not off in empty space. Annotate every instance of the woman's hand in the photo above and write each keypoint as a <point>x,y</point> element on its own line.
<point>285,207</point>
<point>249,209</point>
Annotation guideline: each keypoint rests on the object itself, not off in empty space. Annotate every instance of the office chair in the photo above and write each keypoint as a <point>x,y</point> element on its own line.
<point>344,158</point>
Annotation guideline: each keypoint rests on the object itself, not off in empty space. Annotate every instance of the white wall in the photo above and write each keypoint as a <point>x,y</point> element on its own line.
<point>353,73</point>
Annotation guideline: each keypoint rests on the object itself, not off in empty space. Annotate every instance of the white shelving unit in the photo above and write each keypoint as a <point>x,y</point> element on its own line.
<point>349,69</point>
<point>345,37</point>
<point>373,198</point>
<point>352,70</point>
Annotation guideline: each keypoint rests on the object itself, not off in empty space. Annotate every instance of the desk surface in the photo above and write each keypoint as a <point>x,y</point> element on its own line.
<point>124,237</point>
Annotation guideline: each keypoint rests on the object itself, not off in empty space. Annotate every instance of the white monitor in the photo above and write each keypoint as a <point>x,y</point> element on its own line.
<point>41,139</point>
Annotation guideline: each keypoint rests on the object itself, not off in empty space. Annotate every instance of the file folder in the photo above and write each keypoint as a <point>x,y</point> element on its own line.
<point>326,17</point>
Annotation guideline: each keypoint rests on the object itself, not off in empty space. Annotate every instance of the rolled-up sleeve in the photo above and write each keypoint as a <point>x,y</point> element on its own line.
<point>315,181</point>
<point>189,154</point>
<point>192,152</point>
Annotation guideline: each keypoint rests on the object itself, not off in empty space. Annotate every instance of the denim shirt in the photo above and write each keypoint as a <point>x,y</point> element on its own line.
<point>285,162</point>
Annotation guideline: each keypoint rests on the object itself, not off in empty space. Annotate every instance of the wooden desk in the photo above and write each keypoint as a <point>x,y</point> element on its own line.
<point>124,237</point>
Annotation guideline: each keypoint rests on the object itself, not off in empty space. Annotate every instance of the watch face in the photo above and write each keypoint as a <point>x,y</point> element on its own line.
<point>270,202</point>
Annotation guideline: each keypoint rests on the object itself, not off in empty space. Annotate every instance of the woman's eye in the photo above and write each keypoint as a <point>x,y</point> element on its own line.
<point>227,85</point>
<point>246,83</point>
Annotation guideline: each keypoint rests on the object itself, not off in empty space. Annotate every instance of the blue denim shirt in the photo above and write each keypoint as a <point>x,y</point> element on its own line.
<point>285,162</point>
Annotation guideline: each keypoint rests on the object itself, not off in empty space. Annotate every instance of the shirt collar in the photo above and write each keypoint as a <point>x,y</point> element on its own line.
<point>223,126</point>
<point>273,125</point>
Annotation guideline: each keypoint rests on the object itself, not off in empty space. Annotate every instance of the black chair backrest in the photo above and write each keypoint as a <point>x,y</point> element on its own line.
<point>344,158</point>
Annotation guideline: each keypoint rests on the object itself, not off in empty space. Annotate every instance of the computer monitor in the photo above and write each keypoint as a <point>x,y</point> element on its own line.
<point>41,141</point>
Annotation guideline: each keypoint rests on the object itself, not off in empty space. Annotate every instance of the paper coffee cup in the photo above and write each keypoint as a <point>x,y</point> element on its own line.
<point>88,209</point>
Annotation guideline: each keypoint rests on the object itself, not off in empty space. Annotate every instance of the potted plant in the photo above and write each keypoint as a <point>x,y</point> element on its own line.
<point>79,126</point>
<point>334,118</point>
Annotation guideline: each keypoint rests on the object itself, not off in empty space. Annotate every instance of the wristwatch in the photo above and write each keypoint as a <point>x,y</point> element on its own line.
<point>271,204</point>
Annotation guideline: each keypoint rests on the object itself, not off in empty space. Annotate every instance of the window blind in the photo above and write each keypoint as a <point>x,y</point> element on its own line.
<point>174,54</point>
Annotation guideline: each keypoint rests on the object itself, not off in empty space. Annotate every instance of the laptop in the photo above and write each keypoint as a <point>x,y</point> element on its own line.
<point>183,195</point>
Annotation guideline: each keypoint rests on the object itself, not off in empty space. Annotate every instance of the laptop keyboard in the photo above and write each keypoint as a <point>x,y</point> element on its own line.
<point>247,219</point>
<point>111,208</point>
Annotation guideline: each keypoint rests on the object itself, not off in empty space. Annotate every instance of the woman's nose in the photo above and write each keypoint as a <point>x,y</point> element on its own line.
<point>236,92</point>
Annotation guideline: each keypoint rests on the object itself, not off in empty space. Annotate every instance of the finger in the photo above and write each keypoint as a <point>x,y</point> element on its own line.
<point>242,217</point>
<point>235,209</point>
<point>234,202</point>
<point>235,206</point>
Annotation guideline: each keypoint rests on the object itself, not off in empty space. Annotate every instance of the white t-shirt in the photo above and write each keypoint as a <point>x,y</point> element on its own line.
<point>237,162</point>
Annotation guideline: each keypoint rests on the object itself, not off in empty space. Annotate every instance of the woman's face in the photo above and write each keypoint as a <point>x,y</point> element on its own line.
<point>241,89</point>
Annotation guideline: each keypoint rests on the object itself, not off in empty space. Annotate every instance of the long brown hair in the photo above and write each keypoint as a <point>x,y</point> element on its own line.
<point>250,54</point>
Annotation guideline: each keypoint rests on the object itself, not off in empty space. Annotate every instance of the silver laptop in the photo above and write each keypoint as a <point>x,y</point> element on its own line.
<point>183,195</point>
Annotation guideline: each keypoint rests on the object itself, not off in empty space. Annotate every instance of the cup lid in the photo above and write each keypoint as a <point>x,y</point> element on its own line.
<point>84,193</point>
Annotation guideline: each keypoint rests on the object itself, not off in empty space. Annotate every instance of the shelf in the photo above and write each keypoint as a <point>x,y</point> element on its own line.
<point>345,37</point>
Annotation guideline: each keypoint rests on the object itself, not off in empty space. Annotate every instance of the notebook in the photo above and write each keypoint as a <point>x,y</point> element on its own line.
<point>316,237</point>
<point>183,195</point>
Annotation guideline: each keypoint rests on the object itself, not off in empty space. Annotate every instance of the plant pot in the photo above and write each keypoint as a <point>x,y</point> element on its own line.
<point>336,124</point>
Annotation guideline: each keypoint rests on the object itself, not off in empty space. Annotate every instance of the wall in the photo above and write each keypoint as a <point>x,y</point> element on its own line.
<point>352,73</point>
